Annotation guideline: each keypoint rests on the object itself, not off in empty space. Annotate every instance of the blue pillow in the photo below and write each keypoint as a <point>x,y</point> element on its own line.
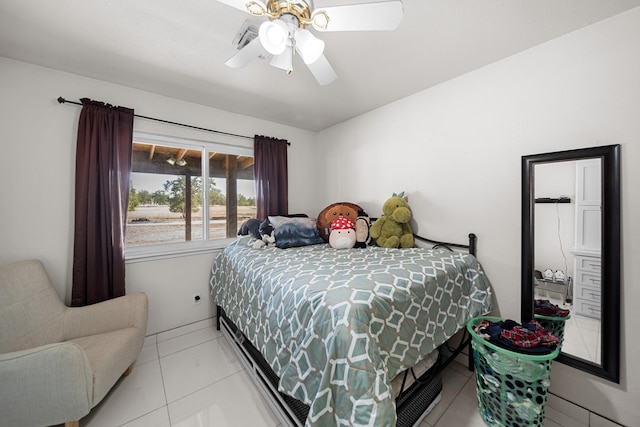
<point>297,232</point>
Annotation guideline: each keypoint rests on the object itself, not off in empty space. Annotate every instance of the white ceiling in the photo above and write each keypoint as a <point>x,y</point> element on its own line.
<point>178,49</point>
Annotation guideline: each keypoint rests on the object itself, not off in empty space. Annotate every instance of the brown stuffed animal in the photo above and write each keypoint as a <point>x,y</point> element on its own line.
<point>331,213</point>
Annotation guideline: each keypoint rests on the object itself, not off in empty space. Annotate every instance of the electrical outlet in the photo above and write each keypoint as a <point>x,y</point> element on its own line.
<point>196,298</point>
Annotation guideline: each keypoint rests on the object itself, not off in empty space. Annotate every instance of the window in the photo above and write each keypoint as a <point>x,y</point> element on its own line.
<point>172,180</point>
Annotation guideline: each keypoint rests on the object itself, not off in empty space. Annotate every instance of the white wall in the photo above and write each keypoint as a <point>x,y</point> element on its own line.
<point>555,223</point>
<point>37,148</point>
<point>456,150</point>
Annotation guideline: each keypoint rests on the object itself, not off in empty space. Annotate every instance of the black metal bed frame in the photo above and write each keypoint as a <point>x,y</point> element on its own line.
<point>412,404</point>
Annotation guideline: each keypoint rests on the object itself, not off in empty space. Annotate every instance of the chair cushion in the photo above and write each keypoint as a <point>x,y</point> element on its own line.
<point>110,354</point>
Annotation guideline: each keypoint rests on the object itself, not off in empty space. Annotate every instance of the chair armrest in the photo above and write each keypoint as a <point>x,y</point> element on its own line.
<point>45,385</point>
<point>107,316</point>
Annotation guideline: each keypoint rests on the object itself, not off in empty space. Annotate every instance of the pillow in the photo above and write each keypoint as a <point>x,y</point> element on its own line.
<point>277,220</point>
<point>293,232</point>
<point>333,212</point>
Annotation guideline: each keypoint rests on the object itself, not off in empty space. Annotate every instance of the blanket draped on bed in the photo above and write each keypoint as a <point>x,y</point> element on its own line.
<point>338,325</point>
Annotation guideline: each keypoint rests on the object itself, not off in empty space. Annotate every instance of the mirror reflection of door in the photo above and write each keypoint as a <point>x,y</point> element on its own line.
<point>567,248</point>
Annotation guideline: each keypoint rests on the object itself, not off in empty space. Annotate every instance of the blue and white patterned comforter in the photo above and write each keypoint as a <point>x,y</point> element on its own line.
<point>338,325</point>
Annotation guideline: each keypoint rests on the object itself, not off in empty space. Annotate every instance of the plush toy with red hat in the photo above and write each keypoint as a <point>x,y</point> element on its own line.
<point>343,234</point>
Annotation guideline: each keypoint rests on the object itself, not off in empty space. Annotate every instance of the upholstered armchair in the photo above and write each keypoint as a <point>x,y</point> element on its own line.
<point>56,362</point>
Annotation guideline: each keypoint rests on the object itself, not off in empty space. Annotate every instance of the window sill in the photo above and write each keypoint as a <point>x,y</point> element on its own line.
<point>173,250</point>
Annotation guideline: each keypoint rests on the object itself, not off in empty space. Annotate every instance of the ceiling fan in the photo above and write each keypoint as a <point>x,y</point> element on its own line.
<point>286,33</point>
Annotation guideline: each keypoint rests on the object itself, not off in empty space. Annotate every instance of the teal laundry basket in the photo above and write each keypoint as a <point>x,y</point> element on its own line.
<point>553,324</point>
<point>511,386</point>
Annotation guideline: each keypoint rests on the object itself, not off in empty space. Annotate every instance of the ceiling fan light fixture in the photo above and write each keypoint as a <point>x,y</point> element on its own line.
<point>309,46</point>
<point>286,32</point>
<point>273,36</point>
<point>284,61</point>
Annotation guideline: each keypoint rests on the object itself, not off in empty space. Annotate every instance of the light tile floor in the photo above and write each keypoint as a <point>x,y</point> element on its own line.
<point>190,377</point>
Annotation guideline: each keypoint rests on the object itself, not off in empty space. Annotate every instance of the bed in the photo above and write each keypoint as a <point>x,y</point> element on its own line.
<point>324,331</point>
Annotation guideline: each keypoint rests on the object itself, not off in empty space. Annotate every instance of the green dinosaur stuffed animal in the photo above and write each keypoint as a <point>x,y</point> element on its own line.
<point>392,230</point>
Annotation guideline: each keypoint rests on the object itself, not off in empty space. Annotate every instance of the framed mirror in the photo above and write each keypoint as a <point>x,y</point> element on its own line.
<point>571,250</point>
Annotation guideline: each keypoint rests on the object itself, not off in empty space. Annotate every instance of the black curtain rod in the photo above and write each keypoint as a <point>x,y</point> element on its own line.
<point>61,100</point>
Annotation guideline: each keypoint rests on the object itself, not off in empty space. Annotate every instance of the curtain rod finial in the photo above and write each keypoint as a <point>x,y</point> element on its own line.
<point>61,100</point>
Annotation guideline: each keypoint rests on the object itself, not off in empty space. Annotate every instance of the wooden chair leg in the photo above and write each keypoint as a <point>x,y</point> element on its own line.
<point>127,372</point>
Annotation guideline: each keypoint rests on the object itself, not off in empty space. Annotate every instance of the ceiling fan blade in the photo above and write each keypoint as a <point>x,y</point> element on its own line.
<point>247,54</point>
<point>322,71</point>
<point>382,16</point>
<point>242,4</point>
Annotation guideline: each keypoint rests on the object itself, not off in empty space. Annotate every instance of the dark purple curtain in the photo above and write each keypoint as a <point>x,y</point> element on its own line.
<point>271,176</point>
<point>103,166</point>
